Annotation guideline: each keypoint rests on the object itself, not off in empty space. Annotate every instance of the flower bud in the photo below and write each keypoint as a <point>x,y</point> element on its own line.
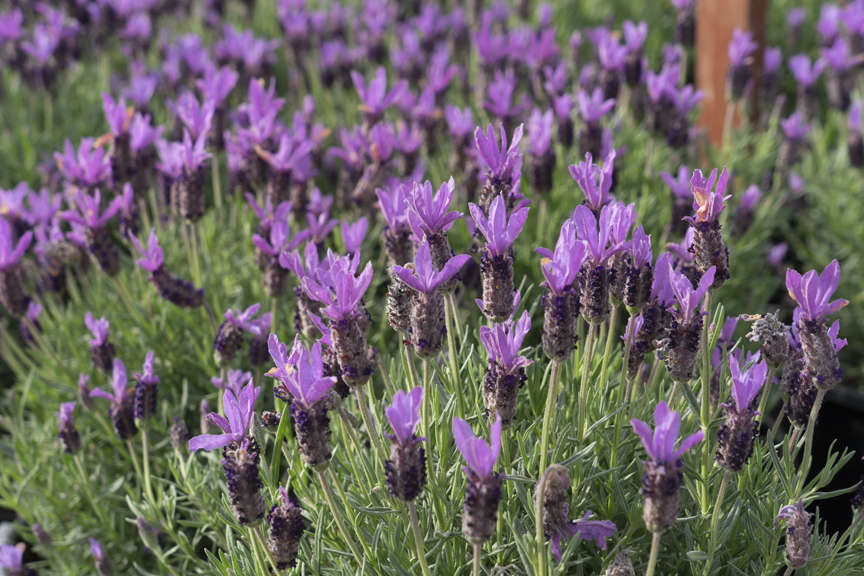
<point>559,326</point>
<point>312,430</point>
<point>480,510</point>
<point>660,487</point>
<point>240,462</point>
<point>286,528</point>
<point>497,275</point>
<point>406,469</point>
<point>681,348</point>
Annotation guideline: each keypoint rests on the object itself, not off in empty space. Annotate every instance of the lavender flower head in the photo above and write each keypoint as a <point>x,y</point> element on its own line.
<point>662,479</point>
<point>66,430</point>
<point>594,181</point>
<point>11,252</point>
<point>122,412</point>
<point>741,48</point>
<point>503,163</point>
<point>430,217</point>
<point>813,291</point>
<point>483,490</point>
<point>175,290</point>
<point>397,235</point>
<point>798,533</point>
<point>681,345</point>
<point>593,106</point>
<point>709,248</point>
<point>406,468</point>
<point>735,437</point>
<point>146,383</point>
<point>12,557</point>
<point>424,277</point>
<point>505,372</point>
<point>103,564</point>
<point>374,95</point>
<point>239,410</point>
<point>806,73</point>
<point>353,234</point>
<point>98,328</point>
<point>87,167</point>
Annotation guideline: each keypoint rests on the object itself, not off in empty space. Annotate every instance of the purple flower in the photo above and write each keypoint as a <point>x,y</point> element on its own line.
<point>376,99</point>
<point>686,98</point>
<point>280,238</point>
<point>460,121</point>
<point>344,293</point>
<point>151,259</point>
<point>584,529</point>
<point>805,73</point>
<point>829,22</point>
<point>611,54</point>
<point>118,385</point>
<point>640,247</point>
<point>234,381</point>
<point>217,84</point>
<point>147,375</point>
<point>90,212</point>
<point>634,35</point>
<point>834,335</point>
<point>812,291</point>
<point>560,268</point>
<point>689,298</point>
<point>679,185</point>
<point>97,551</point>
<point>499,230</point>
<point>795,18</point>
<point>708,201</point>
<point>65,418</point>
<point>239,410</point>
<point>300,372</point>
<point>772,60</point>
<point>794,127</point>
<point>592,107</point>
<point>10,252</point>
<point>500,96</point>
<point>116,113</point>
<point>540,131</point>
<point>262,109</point>
<point>12,557</point>
<point>741,47</point>
<point>563,106</point>
<point>595,182</point>
<point>502,162</point>
<point>88,166</point>
<point>595,234</point>
<point>503,342</point>
<point>681,250</point>
<point>353,234</point>
<point>196,116</point>
<point>99,329</point>
<point>747,383</point>
<point>404,413</point>
<point>142,134</point>
<point>839,56</point>
<point>479,455</point>
<point>661,447</point>
<point>429,213</point>
<point>291,156</point>
<point>394,205</point>
<point>244,320</point>
<point>424,278</point>
<point>750,198</point>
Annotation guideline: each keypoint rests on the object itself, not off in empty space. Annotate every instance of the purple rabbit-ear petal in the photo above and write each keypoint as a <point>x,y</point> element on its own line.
<point>219,421</point>
<point>688,443</point>
<point>643,430</point>
<point>463,436</point>
<point>209,442</point>
<point>99,393</point>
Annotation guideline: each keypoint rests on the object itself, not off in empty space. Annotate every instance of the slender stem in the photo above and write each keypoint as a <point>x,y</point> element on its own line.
<point>260,567</point>
<point>134,460</point>
<point>547,416</point>
<point>337,515</point>
<point>582,409</point>
<point>418,539</point>
<point>478,550</point>
<point>409,361</point>
<point>607,352</point>
<point>705,408</point>
<point>766,391</point>
<point>538,524</point>
<point>452,352</point>
<point>367,421</point>
<point>655,552</point>
<point>808,442</point>
<point>779,420</point>
<point>715,518</point>
<point>267,554</point>
<point>425,408</point>
<point>452,299</point>
<point>145,457</point>
<point>277,446</point>
<point>217,185</point>
<point>789,571</point>
<point>85,485</point>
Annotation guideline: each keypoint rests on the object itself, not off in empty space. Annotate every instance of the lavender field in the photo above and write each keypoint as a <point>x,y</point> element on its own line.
<point>428,287</point>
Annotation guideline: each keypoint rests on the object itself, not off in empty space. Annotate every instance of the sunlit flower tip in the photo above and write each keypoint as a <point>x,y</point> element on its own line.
<point>735,437</point>
<point>557,526</point>
<point>146,387</point>
<point>503,163</point>
<point>286,524</point>
<point>483,489</point>
<point>375,97</point>
<point>505,372</point>
<point>595,181</point>
<point>813,291</point>
<point>67,432</point>
<point>798,533</point>
<point>406,468</point>
<point>662,479</point>
<point>175,290</point>
<point>353,234</point>
<point>103,564</point>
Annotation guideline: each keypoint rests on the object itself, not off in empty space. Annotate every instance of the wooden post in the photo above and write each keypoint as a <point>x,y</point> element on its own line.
<point>715,22</point>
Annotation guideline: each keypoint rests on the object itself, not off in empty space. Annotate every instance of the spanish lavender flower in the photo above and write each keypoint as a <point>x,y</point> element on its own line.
<point>541,153</point>
<point>118,117</point>
<point>406,468</point>
<point>500,97</point>
<point>301,380</point>
<point>741,50</point>
<point>592,108</point>
<point>286,523</point>
<point>239,453</point>
<point>594,278</point>
<point>594,181</point>
<point>612,57</point>
<point>829,23</point>
<point>708,248</point>
<point>187,190</point>
<point>375,97</point>
<point>806,74</point>
<point>621,566</point>
<point>735,438</point>
<point>505,372</point>
<point>430,217</point>
<point>427,309</point>
<point>348,321</point>
<point>621,261</point>
<point>496,262</point>
<point>279,241</point>
<point>639,273</point>
<point>798,533</point>
<point>42,537</point>
<point>634,40</point>
<point>813,292</point>
<point>88,167</point>
<point>353,234</point>
<point>67,432</point>
<point>855,141</point>
<point>290,167</point>
<point>777,254</point>
<point>146,387</point>
<point>96,234</point>
<point>557,526</point>
<point>310,264</point>
<point>196,117</point>
<point>839,78</point>
<point>179,433</point>
<point>397,232</point>
<point>795,132</point>
<point>561,301</point>
<point>563,106</point>
<point>681,345</point>
<point>12,294</point>
<point>663,475</point>
<point>483,490</point>
<point>771,335</point>
<point>770,79</point>
<point>685,31</point>
<point>103,564</point>
<point>101,349</point>
<point>229,336</point>
<point>503,165</point>
<point>122,412</point>
<point>175,290</point>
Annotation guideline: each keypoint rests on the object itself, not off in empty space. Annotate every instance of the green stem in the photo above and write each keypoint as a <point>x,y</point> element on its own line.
<point>145,458</point>
<point>367,421</point>
<point>655,552</point>
<point>217,185</point>
<point>478,551</point>
<point>260,567</point>
<point>134,460</point>
<point>263,545</point>
<point>409,361</point>
<point>418,539</point>
<point>337,515</point>
<point>538,524</point>
<point>715,518</point>
<point>808,443</point>
<point>277,446</point>
<point>766,391</point>
<point>582,409</point>
<point>607,352</point>
<point>85,485</point>
<point>452,353</point>
<point>425,409</point>
<point>547,416</point>
<point>452,300</point>
<point>705,408</point>
<point>273,309</point>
